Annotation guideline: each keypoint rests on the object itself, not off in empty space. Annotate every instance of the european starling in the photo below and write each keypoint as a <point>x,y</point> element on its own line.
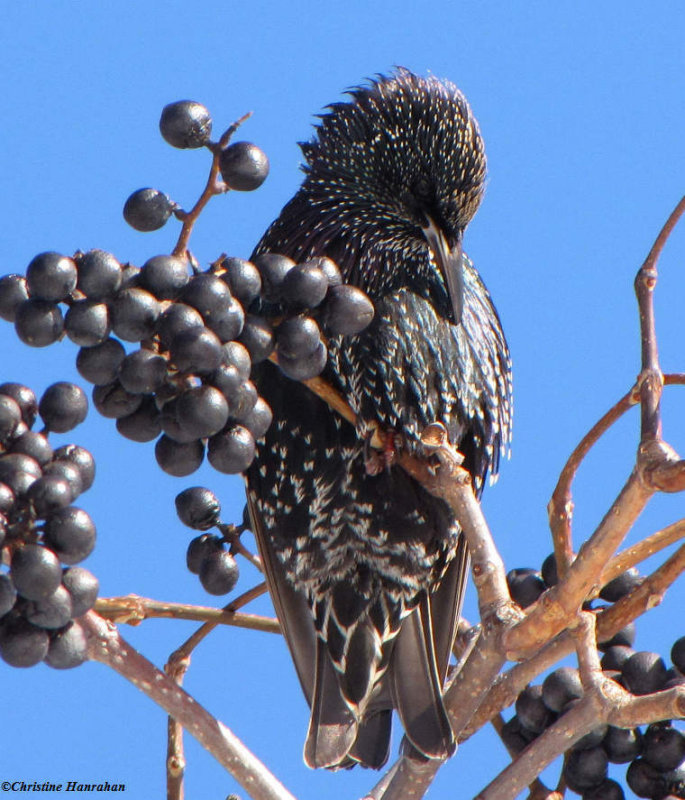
<point>366,569</point>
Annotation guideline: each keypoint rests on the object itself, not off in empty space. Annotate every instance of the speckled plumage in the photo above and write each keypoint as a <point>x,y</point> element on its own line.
<point>367,571</point>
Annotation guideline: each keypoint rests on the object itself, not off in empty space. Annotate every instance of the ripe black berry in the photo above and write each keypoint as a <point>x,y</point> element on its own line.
<point>148,210</point>
<point>142,425</point>
<point>257,337</point>
<point>99,274</point>
<point>82,459</point>
<point>178,459</point>
<point>100,364</point>
<point>35,572</point>
<point>232,450</point>
<point>68,647</point>
<point>219,572</point>
<point>83,587</point>
<point>560,687</point>
<point>304,286</point>
<point>26,399</point>
<point>22,644</point>
<point>70,532</point>
<point>142,372</point>
<point>244,167</point>
<point>87,323</point>
<point>347,310</point>
<point>38,323</point>
<point>525,586</point>
<point>164,276</point>
<point>63,406</point>
<point>51,276</point>
<point>644,673</point>
<point>200,548</point>
<point>186,124</point>
<point>13,292</point>
<point>243,279</point>
<point>532,713</point>
<point>585,769</point>
<point>134,313</point>
<point>197,350</point>
<point>272,269</point>
<point>198,508</point>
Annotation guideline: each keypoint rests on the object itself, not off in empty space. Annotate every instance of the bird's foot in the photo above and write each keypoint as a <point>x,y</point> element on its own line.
<point>375,461</point>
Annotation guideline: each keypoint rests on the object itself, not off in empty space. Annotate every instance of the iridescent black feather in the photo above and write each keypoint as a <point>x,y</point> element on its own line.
<point>367,571</point>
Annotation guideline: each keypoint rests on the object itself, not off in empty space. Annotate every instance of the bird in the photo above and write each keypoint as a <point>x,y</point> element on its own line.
<point>365,568</point>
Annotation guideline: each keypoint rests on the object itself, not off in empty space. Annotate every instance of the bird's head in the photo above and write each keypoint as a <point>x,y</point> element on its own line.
<point>401,169</point>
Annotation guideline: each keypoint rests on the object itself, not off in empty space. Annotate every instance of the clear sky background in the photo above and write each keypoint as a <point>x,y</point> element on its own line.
<point>582,107</point>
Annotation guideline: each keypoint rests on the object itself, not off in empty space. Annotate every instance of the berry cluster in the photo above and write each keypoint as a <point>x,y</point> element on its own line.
<point>40,529</point>
<point>208,555</point>
<point>195,335</point>
<point>656,755</point>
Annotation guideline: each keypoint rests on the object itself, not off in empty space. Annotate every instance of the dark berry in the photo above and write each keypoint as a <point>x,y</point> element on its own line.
<point>347,310</point>
<point>38,323</point>
<point>178,459</point>
<point>243,279</point>
<point>304,286</point>
<point>13,292</point>
<point>664,747</point>
<point>608,789</point>
<point>49,493</point>
<point>18,471</point>
<point>8,594</point>
<point>197,350</point>
<point>208,294</point>
<point>142,372</point>
<point>561,686</point>
<point>328,267</point>
<point>201,411</point>
<point>68,647</point>
<point>33,444</point>
<point>198,508</point>
<point>70,532</point>
<point>228,323</point>
<point>242,400</point>
<point>83,587</point>
<point>144,424</point>
<point>185,124</point>
<point>164,276</point>
<point>621,585</point>
<point>219,572</point>
<point>66,471</point>
<point>257,337</point>
<point>7,499</point>
<point>35,572</point>
<point>585,769</point>
<point>51,276</point>
<point>50,612</point>
<point>644,673</point>
<point>622,744</point>
<point>200,548</point>
<point>175,319</point>
<point>678,654</point>
<point>232,450</point>
<point>113,401</point>
<point>302,369</point>
<point>244,167</point>
<point>100,364</point>
<point>63,406</point>
<point>87,323</point>
<point>549,570</point>
<point>236,355</point>
<point>134,313</point>
<point>10,419</point>
<point>258,419</point>
<point>297,337</point>
<point>645,780</point>
<point>525,586</point>
<point>148,210</point>
<point>272,269</point>
<point>531,711</point>
<point>81,458</point>
<point>615,657</point>
<point>26,399</point>
<point>623,638</point>
<point>99,274</point>
<point>515,737</point>
<point>130,276</point>
<point>22,644</point>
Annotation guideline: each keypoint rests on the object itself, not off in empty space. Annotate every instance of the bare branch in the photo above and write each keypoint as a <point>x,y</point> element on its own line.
<point>133,609</point>
<point>108,647</point>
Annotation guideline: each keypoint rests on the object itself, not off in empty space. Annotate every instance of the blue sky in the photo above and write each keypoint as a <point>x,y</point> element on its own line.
<point>582,107</point>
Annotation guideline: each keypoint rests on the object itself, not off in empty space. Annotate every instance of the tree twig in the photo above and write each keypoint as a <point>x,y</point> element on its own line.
<point>107,646</point>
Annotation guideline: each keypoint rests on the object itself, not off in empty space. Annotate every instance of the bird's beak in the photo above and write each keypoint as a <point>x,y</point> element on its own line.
<point>449,263</point>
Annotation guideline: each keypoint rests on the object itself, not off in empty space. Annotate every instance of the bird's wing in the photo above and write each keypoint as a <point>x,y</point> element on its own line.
<point>420,658</point>
<point>291,607</point>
